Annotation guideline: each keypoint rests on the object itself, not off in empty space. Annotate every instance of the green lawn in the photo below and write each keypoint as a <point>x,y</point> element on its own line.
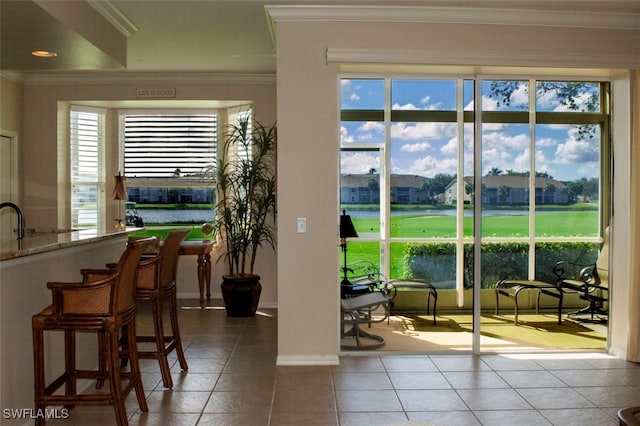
<point>548,224</point>
<point>162,231</point>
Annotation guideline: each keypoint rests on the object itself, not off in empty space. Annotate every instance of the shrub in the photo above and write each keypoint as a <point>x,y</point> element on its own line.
<point>436,262</point>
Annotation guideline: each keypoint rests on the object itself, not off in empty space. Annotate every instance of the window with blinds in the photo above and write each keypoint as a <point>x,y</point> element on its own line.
<point>165,156</point>
<point>175,146</point>
<point>87,174</point>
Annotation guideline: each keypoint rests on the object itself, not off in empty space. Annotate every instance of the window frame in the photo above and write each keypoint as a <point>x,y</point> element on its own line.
<point>462,117</point>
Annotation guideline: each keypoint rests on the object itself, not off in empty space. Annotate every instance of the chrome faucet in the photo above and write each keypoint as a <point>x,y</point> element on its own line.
<point>20,220</point>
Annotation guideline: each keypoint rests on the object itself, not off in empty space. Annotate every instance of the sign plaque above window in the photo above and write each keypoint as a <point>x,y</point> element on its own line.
<point>156,93</point>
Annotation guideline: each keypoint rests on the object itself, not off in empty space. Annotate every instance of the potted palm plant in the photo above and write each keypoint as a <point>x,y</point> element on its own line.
<point>245,180</point>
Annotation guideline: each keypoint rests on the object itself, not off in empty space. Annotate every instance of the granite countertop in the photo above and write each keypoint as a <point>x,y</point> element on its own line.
<point>40,241</point>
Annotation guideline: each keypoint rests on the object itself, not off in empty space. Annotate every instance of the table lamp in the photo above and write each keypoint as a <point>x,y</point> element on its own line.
<point>347,230</point>
<point>120,194</point>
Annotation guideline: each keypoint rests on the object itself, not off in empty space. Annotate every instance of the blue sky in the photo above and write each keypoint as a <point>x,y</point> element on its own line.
<point>427,149</point>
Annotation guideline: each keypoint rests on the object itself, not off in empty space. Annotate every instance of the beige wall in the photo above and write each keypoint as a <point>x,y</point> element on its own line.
<point>45,105</point>
<point>309,128</point>
<point>10,104</point>
<point>23,293</point>
<point>10,130</point>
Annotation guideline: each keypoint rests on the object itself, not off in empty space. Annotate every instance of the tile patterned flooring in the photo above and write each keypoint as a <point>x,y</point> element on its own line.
<point>233,380</point>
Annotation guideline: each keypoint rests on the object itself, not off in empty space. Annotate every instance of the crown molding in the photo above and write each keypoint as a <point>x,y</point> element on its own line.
<point>13,76</point>
<point>114,16</point>
<point>455,15</point>
<point>111,78</point>
<point>471,57</point>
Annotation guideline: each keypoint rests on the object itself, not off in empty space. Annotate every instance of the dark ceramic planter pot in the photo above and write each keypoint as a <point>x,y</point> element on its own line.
<point>241,294</point>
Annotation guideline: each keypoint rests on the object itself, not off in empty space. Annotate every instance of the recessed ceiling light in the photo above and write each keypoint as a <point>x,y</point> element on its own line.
<point>44,54</point>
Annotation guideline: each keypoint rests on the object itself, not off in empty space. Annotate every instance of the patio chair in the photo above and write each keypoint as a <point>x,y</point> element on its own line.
<point>593,282</point>
<point>512,289</point>
<point>592,285</point>
<point>358,310</point>
<point>363,291</point>
<point>364,277</point>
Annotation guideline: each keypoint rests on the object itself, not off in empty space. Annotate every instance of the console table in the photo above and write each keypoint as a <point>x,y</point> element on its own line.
<point>202,249</point>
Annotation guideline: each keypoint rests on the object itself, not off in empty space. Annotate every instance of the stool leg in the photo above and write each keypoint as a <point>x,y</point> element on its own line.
<point>161,353</point>
<point>115,383</point>
<point>135,366</point>
<point>102,359</point>
<point>70,363</point>
<point>175,330</point>
<point>38,367</point>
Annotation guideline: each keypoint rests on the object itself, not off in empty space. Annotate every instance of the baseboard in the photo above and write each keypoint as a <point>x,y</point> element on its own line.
<point>196,297</point>
<point>307,360</point>
<point>618,352</point>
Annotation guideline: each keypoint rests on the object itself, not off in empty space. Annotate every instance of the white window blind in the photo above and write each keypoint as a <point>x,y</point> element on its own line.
<point>168,146</point>
<point>87,174</point>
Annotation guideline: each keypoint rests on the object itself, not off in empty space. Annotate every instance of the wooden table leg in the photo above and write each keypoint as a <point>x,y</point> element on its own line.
<point>201,277</point>
<point>207,261</point>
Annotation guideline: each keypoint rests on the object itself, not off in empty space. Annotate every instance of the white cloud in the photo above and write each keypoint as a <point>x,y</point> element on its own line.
<point>576,151</point>
<point>488,104</point>
<point>430,166</point>
<point>345,136</point>
<point>500,140</point>
<point>544,142</point>
<point>493,127</point>
<point>519,100</point>
<point>520,163</point>
<point>405,107</point>
<point>451,147</point>
<point>416,147</point>
<point>520,96</point>
<point>372,126</point>
<point>496,158</point>
<point>581,102</point>
<point>358,163</point>
<point>413,131</point>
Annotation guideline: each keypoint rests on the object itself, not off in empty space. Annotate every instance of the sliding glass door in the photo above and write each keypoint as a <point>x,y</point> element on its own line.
<point>466,181</point>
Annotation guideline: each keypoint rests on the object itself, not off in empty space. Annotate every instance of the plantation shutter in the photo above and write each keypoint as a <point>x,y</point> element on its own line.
<point>87,174</point>
<point>236,115</point>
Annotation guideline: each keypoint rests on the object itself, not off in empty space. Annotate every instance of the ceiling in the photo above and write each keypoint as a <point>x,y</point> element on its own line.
<point>213,36</point>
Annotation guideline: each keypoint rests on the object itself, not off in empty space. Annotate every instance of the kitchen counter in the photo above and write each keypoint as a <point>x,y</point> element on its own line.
<point>43,241</point>
<point>46,256</point>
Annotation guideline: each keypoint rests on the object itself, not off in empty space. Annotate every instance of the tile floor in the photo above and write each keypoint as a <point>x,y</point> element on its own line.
<point>233,381</point>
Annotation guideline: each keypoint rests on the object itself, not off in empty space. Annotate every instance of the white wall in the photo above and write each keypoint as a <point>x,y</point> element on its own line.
<point>620,260</point>
<point>309,128</point>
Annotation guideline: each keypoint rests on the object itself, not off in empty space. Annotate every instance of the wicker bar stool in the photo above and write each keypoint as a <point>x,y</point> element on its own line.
<point>157,285</point>
<point>104,302</point>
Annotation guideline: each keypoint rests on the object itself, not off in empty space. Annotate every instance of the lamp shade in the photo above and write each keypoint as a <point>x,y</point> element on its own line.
<point>347,230</point>
<point>119,188</point>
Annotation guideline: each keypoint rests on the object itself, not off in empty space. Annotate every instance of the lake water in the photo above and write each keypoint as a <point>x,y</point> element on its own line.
<point>436,212</point>
<point>201,216</point>
<point>170,215</point>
